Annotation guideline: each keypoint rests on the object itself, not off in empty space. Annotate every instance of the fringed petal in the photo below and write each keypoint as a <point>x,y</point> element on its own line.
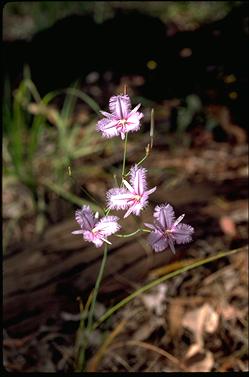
<point>138,179</point>
<point>133,122</point>
<point>91,237</point>
<point>165,215</point>
<point>108,127</point>
<point>107,225</point>
<point>183,233</point>
<point>120,106</point>
<point>85,218</point>
<point>118,198</point>
<point>158,241</point>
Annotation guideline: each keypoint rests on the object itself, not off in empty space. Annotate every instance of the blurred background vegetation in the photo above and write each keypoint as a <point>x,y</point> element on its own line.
<point>22,20</point>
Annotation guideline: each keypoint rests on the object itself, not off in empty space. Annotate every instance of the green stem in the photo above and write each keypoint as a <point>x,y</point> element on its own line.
<point>145,230</point>
<point>147,152</point>
<point>133,233</point>
<point>143,159</point>
<point>129,234</point>
<point>89,328</point>
<point>96,289</point>
<point>124,156</point>
<point>159,281</point>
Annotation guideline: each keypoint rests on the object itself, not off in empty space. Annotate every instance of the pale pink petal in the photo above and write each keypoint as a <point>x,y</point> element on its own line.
<point>165,215</point>
<point>78,231</point>
<point>107,115</point>
<point>122,134</point>
<point>85,218</point>
<point>107,225</point>
<point>148,192</point>
<point>143,201</point>
<point>128,186</point>
<point>158,241</point>
<point>138,179</point>
<point>90,237</point>
<point>118,198</point>
<point>135,110</point>
<point>149,226</point>
<point>120,106</point>
<point>98,242</point>
<point>139,206</point>
<point>105,240</point>
<point>108,127</point>
<point>183,233</point>
<point>178,220</point>
<point>130,210</point>
<point>133,122</point>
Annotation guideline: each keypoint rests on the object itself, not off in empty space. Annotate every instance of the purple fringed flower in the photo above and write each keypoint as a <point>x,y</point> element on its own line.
<point>121,119</point>
<point>167,230</point>
<point>134,197</point>
<point>93,229</point>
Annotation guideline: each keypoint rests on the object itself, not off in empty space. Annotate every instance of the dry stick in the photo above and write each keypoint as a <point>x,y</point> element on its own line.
<point>151,347</point>
<point>152,126</point>
<point>149,146</point>
<point>160,280</point>
<point>93,363</point>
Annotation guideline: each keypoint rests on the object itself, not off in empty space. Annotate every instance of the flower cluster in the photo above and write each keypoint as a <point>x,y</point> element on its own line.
<point>132,196</point>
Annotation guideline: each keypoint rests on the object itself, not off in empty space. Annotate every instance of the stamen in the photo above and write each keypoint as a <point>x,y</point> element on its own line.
<point>137,197</point>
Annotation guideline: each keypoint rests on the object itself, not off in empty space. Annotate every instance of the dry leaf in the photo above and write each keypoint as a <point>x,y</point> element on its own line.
<point>156,300</point>
<point>228,226</point>
<point>94,362</point>
<point>175,315</point>
<point>229,312</point>
<point>146,329</point>
<point>200,320</point>
<point>198,360</point>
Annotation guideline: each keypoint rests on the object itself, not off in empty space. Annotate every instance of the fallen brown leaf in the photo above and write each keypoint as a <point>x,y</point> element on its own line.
<point>228,226</point>
<point>175,315</point>
<point>198,359</point>
<point>203,319</point>
<point>156,300</point>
